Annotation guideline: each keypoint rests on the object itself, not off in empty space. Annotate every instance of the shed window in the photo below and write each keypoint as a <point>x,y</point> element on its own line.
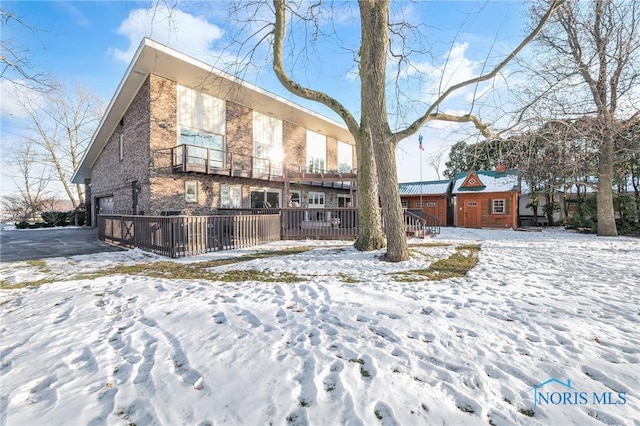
<point>498,207</point>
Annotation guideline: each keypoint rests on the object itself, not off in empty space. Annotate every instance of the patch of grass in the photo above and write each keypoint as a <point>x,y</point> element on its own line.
<point>255,275</point>
<point>395,370</point>
<point>378,415</point>
<point>526,411</point>
<point>431,244</point>
<point>456,265</point>
<point>37,263</point>
<point>4,285</point>
<point>183,271</point>
<point>347,278</point>
<point>304,402</point>
<point>465,408</point>
<point>358,360</point>
<point>364,372</point>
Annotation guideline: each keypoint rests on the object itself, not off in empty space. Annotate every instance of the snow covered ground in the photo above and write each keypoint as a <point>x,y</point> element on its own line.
<point>551,306</point>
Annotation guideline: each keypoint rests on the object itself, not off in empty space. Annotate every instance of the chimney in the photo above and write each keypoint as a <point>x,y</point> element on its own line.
<point>500,167</point>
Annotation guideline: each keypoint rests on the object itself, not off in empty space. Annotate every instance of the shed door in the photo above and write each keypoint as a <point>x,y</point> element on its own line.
<point>472,214</point>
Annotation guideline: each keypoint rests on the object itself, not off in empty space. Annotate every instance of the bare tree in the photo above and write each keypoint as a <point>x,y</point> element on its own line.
<point>375,140</point>
<point>435,161</point>
<point>15,64</point>
<point>32,182</point>
<point>61,124</point>
<point>588,66</point>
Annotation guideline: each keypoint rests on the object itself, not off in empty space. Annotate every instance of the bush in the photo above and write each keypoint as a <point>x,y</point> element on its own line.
<point>22,224</point>
<point>56,218</point>
<point>78,216</point>
<point>586,217</point>
<point>625,206</point>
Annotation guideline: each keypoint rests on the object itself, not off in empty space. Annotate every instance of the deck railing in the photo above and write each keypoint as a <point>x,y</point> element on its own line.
<point>339,223</point>
<point>430,223</point>
<point>227,229</point>
<point>179,236</point>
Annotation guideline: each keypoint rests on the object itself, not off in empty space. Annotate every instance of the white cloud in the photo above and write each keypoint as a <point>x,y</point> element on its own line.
<point>10,94</point>
<point>190,34</point>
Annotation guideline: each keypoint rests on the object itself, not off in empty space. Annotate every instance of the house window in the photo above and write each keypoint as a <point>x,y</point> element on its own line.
<point>265,198</point>
<point>191,192</point>
<point>316,152</point>
<point>344,200</point>
<point>295,199</point>
<point>267,144</point>
<point>203,145</point>
<point>405,204</point>
<point>201,124</point>
<point>431,204</point>
<point>498,207</point>
<point>121,146</point>
<point>345,157</point>
<point>316,199</point>
<point>418,204</point>
<point>230,196</point>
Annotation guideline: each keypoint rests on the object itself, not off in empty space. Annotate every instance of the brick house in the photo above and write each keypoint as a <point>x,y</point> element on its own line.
<point>181,136</point>
<point>431,197</point>
<point>486,199</point>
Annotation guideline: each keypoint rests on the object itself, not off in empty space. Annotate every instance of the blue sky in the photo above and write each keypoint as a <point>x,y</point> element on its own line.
<point>90,44</point>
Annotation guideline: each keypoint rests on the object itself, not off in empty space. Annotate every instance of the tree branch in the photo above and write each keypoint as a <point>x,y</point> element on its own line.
<point>416,125</point>
<point>294,87</point>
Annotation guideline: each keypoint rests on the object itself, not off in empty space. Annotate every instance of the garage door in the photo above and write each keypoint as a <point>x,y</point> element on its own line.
<point>105,205</point>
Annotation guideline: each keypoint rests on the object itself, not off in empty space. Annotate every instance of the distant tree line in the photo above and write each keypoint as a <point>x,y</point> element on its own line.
<point>561,156</point>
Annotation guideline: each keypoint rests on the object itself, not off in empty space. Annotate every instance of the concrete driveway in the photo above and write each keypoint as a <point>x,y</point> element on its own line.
<point>29,244</point>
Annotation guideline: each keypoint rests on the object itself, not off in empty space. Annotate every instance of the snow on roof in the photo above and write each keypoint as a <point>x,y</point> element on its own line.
<point>493,181</point>
<point>434,187</point>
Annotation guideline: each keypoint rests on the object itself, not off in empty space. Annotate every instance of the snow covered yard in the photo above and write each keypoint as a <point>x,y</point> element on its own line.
<point>342,339</point>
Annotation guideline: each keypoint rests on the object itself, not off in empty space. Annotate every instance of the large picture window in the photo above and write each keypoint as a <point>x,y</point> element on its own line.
<point>345,157</point>
<point>267,144</point>
<point>316,152</point>
<point>201,126</point>
<point>265,198</point>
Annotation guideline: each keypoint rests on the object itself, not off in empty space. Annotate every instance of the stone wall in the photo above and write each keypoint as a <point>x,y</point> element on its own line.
<point>294,145</point>
<point>239,136</point>
<point>111,176</point>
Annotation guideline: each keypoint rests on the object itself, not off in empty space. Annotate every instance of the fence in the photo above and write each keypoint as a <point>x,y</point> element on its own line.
<point>179,236</point>
<point>340,223</point>
<point>227,229</point>
<point>430,223</point>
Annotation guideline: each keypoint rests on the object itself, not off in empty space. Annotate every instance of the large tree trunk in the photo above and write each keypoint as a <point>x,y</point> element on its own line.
<point>374,121</point>
<point>606,216</point>
<point>397,249</point>
<point>370,235</point>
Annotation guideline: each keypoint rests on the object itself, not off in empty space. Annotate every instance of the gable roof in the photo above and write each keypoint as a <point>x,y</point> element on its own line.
<point>155,58</point>
<point>434,187</point>
<point>472,183</point>
<point>490,181</point>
